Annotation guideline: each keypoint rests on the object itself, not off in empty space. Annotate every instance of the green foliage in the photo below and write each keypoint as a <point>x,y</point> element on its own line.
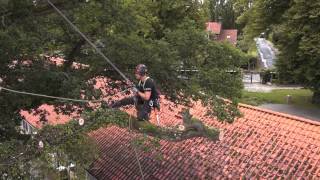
<point>295,32</point>
<point>298,41</point>
<point>212,133</point>
<point>223,11</point>
<point>70,143</point>
<point>259,16</point>
<point>102,118</point>
<point>148,127</point>
<point>192,127</point>
<point>165,35</point>
<point>63,144</point>
<point>168,36</point>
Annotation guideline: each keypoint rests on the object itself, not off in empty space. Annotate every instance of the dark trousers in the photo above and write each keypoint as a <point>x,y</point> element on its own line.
<point>143,107</point>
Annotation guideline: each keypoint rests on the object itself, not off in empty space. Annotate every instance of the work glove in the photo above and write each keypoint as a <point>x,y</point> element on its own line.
<point>134,90</point>
<point>129,83</point>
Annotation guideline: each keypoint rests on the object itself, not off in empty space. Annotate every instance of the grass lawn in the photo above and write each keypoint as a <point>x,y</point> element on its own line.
<point>300,97</point>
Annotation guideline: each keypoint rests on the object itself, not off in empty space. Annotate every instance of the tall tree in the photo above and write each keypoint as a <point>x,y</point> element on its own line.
<point>298,39</point>
<point>168,36</point>
<point>295,31</point>
<point>223,11</point>
<point>259,16</point>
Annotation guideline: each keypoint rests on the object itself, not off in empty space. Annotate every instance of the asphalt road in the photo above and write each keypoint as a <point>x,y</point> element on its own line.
<point>309,113</point>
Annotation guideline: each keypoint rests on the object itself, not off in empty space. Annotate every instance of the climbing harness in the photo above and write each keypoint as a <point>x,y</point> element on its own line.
<point>153,103</point>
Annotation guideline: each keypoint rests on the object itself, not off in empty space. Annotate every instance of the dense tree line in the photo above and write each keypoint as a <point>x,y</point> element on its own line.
<point>294,27</point>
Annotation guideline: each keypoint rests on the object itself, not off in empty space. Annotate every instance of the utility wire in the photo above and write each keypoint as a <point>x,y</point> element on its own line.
<point>74,100</point>
<point>78,100</point>
<point>106,58</point>
<point>46,96</point>
<point>88,40</point>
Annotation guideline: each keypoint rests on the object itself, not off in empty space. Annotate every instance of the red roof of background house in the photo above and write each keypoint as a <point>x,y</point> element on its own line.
<point>230,35</point>
<point>52,117</point>
<point>262,143</point>
<point>214,27</point>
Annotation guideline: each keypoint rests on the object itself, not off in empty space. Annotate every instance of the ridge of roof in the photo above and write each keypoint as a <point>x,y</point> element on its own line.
<point>297,118</point>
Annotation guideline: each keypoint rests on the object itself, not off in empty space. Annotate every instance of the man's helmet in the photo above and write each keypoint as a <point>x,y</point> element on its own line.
<point>141,69</point>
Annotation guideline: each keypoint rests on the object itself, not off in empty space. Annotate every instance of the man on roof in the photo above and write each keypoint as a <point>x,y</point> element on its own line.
<point>145,95</point>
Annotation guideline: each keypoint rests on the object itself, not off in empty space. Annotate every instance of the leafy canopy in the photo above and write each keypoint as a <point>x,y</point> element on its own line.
<point>168,36</point>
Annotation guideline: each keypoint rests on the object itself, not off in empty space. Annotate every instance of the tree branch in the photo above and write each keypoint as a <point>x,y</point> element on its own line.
<point>75,50</point>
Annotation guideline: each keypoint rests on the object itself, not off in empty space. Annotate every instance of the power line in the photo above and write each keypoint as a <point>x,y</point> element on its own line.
<point>74,100</point>
<point>78,100</point>
<point>46,96</point>
<point>106,58</point>
<point>88,40</point>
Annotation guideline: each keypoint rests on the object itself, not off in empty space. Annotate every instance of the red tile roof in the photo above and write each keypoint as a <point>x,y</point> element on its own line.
<point>214,27</point>
<point>261,144</point>
<point>230,35</point>
<point>52,117</point>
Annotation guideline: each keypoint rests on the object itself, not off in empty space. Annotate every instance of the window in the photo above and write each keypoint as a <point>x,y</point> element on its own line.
<point>24,126</point>
<point>28,128</point>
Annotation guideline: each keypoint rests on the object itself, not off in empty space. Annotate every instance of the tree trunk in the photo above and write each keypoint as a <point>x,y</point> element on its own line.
<point>316,97</point>
<point>75,50</point>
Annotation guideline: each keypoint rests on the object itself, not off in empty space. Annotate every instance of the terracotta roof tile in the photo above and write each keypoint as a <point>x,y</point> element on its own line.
<point>261,144</point>
<point>52,117</point>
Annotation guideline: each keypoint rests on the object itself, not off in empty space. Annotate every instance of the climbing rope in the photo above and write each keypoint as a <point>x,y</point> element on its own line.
<point>89,41</point>
<point>107,59</point>
<point>134,149</point>
<point>79,100</point>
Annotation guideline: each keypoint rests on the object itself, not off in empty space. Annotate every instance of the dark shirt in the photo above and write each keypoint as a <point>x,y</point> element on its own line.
<point>148,85</point>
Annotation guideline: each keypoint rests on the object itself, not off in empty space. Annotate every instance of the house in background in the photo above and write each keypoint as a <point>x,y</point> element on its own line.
<point>32,121</point>
<point>217,33</point>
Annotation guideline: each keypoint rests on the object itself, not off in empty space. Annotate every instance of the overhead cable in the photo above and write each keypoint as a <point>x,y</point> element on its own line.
<point>89,41</point>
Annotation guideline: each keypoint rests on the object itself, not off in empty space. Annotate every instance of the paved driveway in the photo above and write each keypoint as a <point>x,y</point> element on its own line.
<point>257,87</point>
<point>309,113</point>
